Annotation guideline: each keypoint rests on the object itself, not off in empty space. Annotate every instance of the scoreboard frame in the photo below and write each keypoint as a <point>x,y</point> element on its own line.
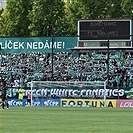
<point>104,30</point>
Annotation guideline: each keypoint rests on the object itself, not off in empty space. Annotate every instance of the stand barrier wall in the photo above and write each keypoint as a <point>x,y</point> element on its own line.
<point>115,98</point>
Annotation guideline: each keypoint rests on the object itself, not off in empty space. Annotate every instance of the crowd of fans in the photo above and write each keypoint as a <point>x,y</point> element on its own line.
<point>19,69</point>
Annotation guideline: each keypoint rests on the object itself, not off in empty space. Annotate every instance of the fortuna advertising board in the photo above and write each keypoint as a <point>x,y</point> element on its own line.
<point>87,103</point>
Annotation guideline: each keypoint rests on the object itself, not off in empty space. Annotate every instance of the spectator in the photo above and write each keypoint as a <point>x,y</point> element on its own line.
<point>24,67</point>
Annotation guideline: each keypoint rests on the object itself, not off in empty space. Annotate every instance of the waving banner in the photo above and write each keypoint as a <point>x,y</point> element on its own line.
<point>114,93</point>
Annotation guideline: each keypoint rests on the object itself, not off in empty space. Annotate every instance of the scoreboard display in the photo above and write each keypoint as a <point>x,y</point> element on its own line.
<point>103,30</point>
<point>102,44</point>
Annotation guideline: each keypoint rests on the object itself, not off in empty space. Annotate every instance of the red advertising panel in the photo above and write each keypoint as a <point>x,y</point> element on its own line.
<point>124,103</point>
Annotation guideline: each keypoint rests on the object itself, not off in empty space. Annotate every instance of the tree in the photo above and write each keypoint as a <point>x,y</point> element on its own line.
<point>74,11</point>
<point>18,22</point>
<point>127,7</point>
<point>103,9</point>
<point>3,20</point>
<point>45,13</point>
<point>1,23</point>
<point>36,17</point>
<point>96,9</point>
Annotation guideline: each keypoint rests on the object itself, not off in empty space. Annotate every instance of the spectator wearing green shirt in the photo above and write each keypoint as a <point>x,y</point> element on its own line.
<point>124,83</point>
<point>130,94</point>
<point>130,83</point>
<point>118,79</point>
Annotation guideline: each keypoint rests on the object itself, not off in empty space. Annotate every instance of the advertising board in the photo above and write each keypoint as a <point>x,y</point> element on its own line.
<point>14,102</point>
<point>36,102</point>
<point>87,103</point>
<point>0,101</point>
<point>37,44</point>
<point>124,103</point>
<point>66,92</point>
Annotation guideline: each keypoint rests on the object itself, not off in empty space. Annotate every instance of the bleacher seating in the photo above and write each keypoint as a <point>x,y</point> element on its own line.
<point>19,69</point>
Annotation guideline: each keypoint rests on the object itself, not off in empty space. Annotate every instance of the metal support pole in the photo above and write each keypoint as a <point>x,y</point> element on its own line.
<point>52,57</point>
<point>52,33</point>
<point>108,63</point>
<point>31,86</point>
<point>105,94</point>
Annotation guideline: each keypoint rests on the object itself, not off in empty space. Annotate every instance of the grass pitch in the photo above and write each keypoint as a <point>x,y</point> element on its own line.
<point>66,120</point>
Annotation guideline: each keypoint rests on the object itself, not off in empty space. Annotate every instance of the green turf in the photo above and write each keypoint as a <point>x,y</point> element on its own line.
<point>66,120</point>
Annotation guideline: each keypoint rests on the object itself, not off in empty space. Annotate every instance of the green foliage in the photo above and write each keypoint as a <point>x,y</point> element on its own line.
<point>35,17</point>
<point>3,21</point>
<point>74,12</point>
<point>17,23</point>
<point>45,13</point>
<point>127,7</point>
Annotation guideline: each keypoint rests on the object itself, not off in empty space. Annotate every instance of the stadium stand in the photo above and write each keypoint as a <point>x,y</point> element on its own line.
<point>19,69</point>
